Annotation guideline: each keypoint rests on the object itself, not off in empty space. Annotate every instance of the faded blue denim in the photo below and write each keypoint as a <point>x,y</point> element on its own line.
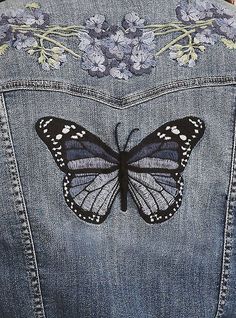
<point>55,265</point>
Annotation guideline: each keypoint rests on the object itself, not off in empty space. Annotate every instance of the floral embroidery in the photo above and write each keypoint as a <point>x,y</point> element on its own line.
<point>120,51</point>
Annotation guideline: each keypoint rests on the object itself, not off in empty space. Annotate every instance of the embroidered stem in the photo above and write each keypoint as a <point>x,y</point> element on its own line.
<point>184,26</point>
<point>166,32</point>
<point>42,37</point>
<point>159,25</point>
<point>51,30</point>
<point>202,26</point>
<point>180,37</point>
<point>69,27</point>
<point>64,34</point>
<point>24,29</point>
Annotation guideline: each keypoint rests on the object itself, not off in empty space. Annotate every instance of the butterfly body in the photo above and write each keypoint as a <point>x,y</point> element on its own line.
<point>123,179</point>
<point>95,174</point>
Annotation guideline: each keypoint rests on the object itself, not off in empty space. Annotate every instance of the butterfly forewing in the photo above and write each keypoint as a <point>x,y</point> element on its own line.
<point>169,147</point>
<point>74,148</point>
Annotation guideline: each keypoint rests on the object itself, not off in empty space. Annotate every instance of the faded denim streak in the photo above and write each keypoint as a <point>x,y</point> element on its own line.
<point>56,266</point>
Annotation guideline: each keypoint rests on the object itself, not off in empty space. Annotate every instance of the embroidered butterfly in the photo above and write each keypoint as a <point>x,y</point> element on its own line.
<point>95,174</point>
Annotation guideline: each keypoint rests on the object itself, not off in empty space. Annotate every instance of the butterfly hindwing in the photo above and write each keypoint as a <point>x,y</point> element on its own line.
<point>90,195</point>
<point>157,195</point>
<point>91,167</point>
<point>156,164</point>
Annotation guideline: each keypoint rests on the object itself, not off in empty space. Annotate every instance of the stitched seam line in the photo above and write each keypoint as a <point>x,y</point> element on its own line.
<point>115,102</point>
<point>228,231</point>
<point>185,83</point>
<point>27,239</point>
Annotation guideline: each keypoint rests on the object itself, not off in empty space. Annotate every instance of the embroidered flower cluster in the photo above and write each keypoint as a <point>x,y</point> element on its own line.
<point>26,29</point>
<point>131,49</point>
<point>118,51</point>
<point>203,24</point>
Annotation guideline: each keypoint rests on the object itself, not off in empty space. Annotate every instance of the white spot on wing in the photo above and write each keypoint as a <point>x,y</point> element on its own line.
<point>65,130</point>
<point>175,131</point>
<point>59,136</point>
<point>182,137</point>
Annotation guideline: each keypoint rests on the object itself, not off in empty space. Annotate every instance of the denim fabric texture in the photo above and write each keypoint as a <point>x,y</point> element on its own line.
<point>55,265</point>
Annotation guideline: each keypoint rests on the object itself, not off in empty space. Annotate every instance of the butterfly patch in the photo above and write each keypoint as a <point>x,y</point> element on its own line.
<point>95,174</point>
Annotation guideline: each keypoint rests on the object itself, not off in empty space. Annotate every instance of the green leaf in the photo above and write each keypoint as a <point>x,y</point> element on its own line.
<point>179,54</point>
<point>51,61</point>
<point>41,59</point>
<point>184,59</point>
<point>194,56</point>
<point>229,43</point>
<point>31,51</point>
<point>57,50</point>
<point>202,48</point>
<point>3,48</point>
<point>33,5</point>
<point>177,46</point>
<point>196,41</point>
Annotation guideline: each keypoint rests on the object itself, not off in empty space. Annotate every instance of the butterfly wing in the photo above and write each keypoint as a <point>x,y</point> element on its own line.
<point>157,195</point>
<point>74,148</point>
<point>156,164</point>
<point>91,167</point>
<point>90,195</point>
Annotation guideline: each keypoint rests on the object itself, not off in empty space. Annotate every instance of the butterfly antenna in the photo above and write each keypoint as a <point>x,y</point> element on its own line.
<point>116,136</point>
<point>128,139</point>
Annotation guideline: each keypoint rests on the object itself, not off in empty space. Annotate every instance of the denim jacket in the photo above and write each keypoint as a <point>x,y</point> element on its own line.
<point>117,159</point>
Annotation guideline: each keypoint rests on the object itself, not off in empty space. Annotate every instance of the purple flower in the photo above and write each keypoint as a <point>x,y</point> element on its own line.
<point>188,13</point>
<point>142,62</point>
<point>133,23</point>
<point>47,67</point>
<point>58,57</point>
<point>51,64</point>
<point>24,41</point>
<point>146,42</point>
<point>176,51</point>
<point>221,12</point>
<point>117,45</point>
<point>186,56</point>
<point>13,16</point>
<point>183,59</point>
<point>97,25</point>
<point>205,8</point>
<point>201,10</point>
<point>58,54</point>
<point>5,33</point>
<point>35,18</point>
<point>121,71</point>
<point>226,27</point>
<point>89,44</point>
<point>206,36</point>
<point>95,64</point>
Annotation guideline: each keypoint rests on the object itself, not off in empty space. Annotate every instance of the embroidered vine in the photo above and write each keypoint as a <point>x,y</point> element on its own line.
<point>120,51</point>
